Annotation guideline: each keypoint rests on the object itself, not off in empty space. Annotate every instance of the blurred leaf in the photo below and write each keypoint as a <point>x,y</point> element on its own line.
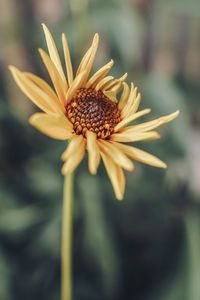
<point>164,97</point>
<point>193,254</point>
<point>5,283</point>
<point>17,219</point>
<point>98,243</point>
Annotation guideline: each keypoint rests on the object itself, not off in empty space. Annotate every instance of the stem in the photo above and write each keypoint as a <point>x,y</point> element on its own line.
<point>66,246</point>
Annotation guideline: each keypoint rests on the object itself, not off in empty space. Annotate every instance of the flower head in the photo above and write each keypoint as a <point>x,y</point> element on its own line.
<point>85,110</point>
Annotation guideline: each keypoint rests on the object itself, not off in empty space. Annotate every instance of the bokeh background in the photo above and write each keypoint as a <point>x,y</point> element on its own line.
<point>147,247</point>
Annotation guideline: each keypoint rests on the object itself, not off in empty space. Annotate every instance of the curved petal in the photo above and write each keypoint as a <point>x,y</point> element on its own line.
<point>110,95</point>
<point>109,84</point>
<point>46,88</point>
<point>131,118</point>
<point>89,65</point>
<point>136,104</point>
<point>124,96</point>
<point>84,60</point>
<point>99,75</point>
<point>116,155</point>
<point>116,85</point>
<point>53,52</point>
<point>116,88</point>
<point>54,75</point>
<point>54,126</point>
<point>88,59</point>
<point>74,159</point>
<point>134,137</point>
<point>151,124</point>
<point>76,84</point>
<point>67,57</point>
<point>140,155</point>
<point>73,146</point>
<point>132,102</point>
<point>116,175</point>
<point>93,152</point>
<point>42,84</point>
<point>103,82</point>
<point>34,92</point>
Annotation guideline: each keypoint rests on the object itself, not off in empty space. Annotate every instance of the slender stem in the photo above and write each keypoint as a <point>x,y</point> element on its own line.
<point>66,246</point>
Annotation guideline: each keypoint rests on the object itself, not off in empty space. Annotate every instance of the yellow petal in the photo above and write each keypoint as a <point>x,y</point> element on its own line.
<point>116,155</point>
<point>129,101</point>
<point>103,82</point>
<point>116,87</point>
<point>135,137</point>
<point>74,159</point>
<point>84,61</point>
<point>99,75</point>
<point>151,124</point>
<point>109,84</point>
<point>131,118</point>
<point>116,176</point>
<point>93,152</point>
<point>68,62</point>
<point>76,84</point>
<point>53,52</point>
<point>88,58</point>
<point>46,88</point>
<point>55,126</point>
<point>75,143</point>
<point>110,95</point>
<point>135,105</point>
<point>117,84</point>
<point>124,96</point>
<point>34,92</point>
<point>140,155</point>
<point>55,76</point>
<point>89,65</point>
<point>42,84</point>
<point>126,111</point>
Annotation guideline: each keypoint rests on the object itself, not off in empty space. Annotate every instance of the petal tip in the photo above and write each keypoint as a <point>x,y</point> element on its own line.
<point>96,36</point>
<point>93,172</point>
<point>63,36</point>
<point>119,197</point>
<point>45,28</point>
<point>63,156</point>
<point>62,171</point>
<point>177,113</point>
<point>32,119</point>
<point>156,135</point>
<point>95,40</point>
<point>163,165</point>
<point>124,76</point>
<point>41,51</point>
<point>11,67</point>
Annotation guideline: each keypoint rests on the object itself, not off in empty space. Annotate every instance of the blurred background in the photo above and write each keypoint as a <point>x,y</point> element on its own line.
<point>147,247</point>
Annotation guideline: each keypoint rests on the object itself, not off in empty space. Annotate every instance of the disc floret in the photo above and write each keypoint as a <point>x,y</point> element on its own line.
<point>92,110</point>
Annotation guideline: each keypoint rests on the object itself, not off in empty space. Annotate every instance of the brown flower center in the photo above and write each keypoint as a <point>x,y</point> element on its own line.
<point>92,110</point>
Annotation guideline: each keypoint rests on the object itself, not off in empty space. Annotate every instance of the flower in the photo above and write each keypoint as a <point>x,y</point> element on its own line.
<point>85,111</point>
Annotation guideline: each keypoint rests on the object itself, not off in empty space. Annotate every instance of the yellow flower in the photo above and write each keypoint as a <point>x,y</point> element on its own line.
<point>85,110</point>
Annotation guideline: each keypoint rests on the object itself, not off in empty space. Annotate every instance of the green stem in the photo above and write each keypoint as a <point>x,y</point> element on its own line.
<point>66,246</point>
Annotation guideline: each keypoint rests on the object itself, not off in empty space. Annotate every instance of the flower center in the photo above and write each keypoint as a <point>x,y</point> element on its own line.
<point>92,110</point>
